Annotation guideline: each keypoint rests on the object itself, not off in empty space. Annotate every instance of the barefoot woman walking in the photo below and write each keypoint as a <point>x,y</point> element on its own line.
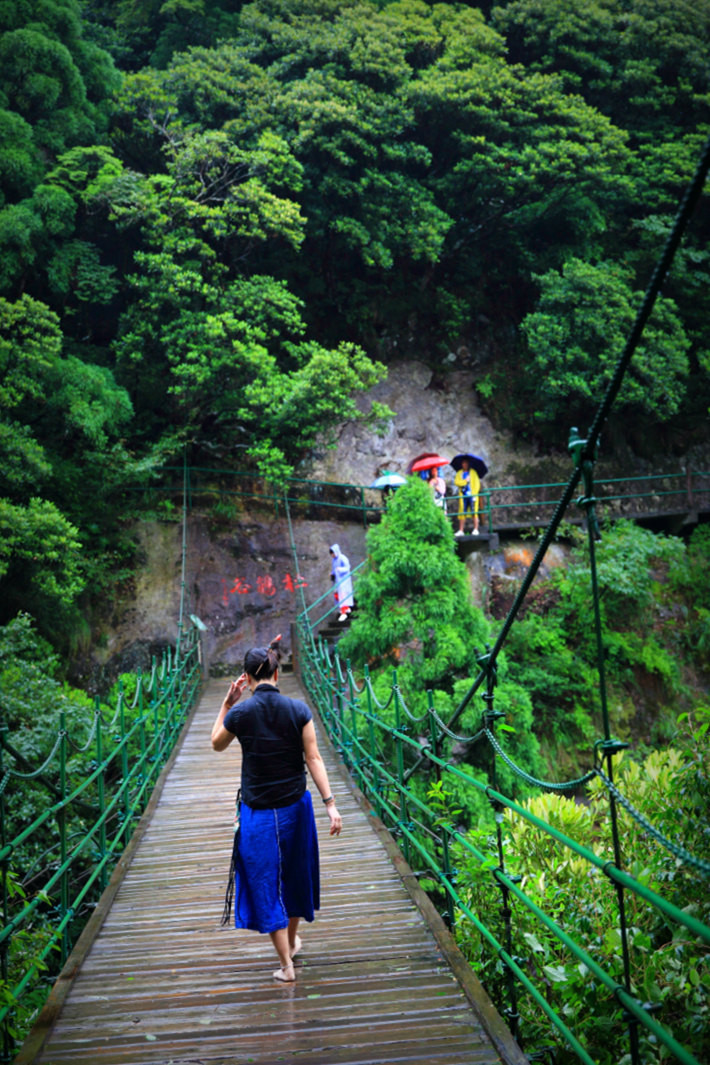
<point>276,857</point>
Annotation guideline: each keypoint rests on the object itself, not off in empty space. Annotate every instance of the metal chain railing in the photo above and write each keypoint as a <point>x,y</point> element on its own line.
<point>681,853</point>
<point>71,846</point>
<point>535,782</point>
<point>96,812</point>
<point>502,506</point>
<point>374,749</point>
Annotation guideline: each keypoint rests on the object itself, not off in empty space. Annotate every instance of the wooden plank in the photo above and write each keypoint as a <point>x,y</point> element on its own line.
<point>162,983</point>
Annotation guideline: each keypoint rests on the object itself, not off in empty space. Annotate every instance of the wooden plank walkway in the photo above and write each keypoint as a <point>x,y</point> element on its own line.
<point>162,983</point>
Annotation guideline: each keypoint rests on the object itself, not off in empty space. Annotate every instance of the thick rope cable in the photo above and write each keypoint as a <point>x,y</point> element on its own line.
<point>416,718</point>
<point>675,849</point>
<point>685,211</point>
<point>548,785</point>
<point>36,772</point>
<point>455,735</point>
<point>75,746</point>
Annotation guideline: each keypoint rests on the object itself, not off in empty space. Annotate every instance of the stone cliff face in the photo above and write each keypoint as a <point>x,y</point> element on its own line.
<point>242,579</point>
<point>441,412</point>
<point>431,414</point>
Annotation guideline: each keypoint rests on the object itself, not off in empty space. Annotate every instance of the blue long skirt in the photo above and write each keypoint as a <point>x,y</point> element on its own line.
<point>277,872</point>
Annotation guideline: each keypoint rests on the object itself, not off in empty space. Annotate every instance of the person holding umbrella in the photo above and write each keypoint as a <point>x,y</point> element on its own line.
<point>469,470</point>
<point>388,483</point>
<point>438,487</point>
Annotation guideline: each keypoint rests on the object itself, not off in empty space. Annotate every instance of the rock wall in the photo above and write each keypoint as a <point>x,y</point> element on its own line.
<point>245,585</point>
<point>440,411</point>
<point>242,581</point>
<point>431,414</point>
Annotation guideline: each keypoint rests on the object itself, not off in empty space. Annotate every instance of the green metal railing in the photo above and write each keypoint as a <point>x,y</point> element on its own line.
<point>383,758</point>
<point>385,746</point>
<point>96,786</point>
<point>500,506</point>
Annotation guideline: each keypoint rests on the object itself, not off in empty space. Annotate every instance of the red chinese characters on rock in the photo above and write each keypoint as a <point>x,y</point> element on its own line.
<point>290,583</point>
<point>265,585</point>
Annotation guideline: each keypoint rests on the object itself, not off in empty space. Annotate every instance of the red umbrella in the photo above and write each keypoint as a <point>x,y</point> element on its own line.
<point>424,455</point>
<point>427,462</point>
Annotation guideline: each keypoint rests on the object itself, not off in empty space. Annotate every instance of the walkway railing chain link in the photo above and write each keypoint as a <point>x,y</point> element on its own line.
<point>54,869</point>
<point>83,832</point>
<point>377,745</point>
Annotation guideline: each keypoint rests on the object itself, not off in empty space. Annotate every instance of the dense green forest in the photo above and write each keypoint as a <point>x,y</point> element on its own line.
<point>219,221</point>
<point>416,627</point>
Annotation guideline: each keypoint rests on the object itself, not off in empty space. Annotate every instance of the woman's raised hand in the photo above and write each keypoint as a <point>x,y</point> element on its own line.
<point>235,690</point>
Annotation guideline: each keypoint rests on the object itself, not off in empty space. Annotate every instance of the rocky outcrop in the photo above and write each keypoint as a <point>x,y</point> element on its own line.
<point>432,413</point>
<point>241,580</point>
<point>441,411</point>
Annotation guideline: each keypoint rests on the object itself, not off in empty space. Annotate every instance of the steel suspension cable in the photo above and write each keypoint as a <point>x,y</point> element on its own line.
<point>587,447</point>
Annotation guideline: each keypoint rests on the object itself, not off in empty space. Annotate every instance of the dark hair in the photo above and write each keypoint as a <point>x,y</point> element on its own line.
<point>262,662</point>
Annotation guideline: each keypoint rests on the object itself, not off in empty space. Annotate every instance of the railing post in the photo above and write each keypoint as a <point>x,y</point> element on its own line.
<point>403,810</point>
<point>490,716</point>
<point>101,784</point>
<point>376,785</point>
<point>328,675</point>
<point>124,750</point>
<point>445,857</point>
<point>4,871</point>
<point>62,821</point>
<point>354,745</point>
<point>585,461</point>
<point>159,697</point>
<point>340,712</point>
<point>142,713</point>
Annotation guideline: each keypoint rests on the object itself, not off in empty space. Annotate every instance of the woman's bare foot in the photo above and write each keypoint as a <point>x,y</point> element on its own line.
<point>286,975</point>
<point>296,946</point>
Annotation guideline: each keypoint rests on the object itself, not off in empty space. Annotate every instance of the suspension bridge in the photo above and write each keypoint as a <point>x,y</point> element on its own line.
<point>152,979</point>
<point>156,979</point>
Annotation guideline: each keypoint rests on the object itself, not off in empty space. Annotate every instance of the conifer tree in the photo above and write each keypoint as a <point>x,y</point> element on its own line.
<point>415,608</point>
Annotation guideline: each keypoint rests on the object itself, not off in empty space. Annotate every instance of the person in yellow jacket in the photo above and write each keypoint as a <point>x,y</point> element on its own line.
<point>469,485</point>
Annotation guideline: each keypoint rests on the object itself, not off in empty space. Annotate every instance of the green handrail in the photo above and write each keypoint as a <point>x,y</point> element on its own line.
<point>130,751</point>
<point>396,801</point>
<point>353,726</point>
<point>498,502</point>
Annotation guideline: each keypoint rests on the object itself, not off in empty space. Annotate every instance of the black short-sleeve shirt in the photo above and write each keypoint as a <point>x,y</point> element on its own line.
<point>268,727</point>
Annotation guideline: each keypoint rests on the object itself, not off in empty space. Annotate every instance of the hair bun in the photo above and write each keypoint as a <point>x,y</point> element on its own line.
<point>261,662</point>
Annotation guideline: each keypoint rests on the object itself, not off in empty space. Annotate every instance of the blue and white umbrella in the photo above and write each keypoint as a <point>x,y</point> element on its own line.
<point>389,480</point>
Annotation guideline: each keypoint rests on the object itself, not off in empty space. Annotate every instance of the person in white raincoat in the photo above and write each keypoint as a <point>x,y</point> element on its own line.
<point>343,585</point>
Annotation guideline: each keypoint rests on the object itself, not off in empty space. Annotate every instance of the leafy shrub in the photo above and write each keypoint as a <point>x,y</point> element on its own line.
<point>670,969</point>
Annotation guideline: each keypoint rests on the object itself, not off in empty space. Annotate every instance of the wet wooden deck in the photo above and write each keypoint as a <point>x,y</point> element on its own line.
<point>160,982</point>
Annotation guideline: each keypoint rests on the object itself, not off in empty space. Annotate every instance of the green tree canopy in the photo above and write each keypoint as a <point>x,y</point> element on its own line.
<point>415,608</point>
<point>53,406</point>
<point>642,62</point>
<point>577,334</point>
<point>50,76</point>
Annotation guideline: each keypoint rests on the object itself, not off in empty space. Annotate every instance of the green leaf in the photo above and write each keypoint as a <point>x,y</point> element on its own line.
<point>556,973</point>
